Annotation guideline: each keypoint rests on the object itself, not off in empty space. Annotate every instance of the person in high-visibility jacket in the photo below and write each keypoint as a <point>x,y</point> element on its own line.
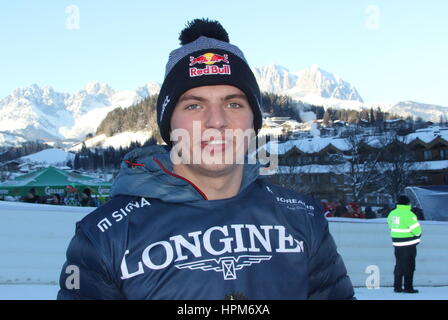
<point>405,232</point>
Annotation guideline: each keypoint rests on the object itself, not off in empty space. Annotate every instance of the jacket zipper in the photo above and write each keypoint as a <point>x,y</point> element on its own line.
<point>177,176</point>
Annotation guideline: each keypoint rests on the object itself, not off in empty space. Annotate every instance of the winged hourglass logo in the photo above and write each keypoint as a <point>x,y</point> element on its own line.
<point>227,265</point>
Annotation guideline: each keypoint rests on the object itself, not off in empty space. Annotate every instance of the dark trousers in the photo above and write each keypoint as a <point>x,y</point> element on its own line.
<point>404,266</point>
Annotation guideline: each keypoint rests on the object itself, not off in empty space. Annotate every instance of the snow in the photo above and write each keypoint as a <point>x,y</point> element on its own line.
<point>341,168</point>
<point>307,116</point>
<point>313,145</point>
<point>387,293</point>
<point>310,169</point>
<point>125,98</point>
<point>34,239</point>
<point>317,143</point>
<point>90,143</point>
<point>49,156</point>
<point>86,123</point>
<point>28,292</point>
<point>122,139</point>
<point>427,135</point>
<point>49,292</point>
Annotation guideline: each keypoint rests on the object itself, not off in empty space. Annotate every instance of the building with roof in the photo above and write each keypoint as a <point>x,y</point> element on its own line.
<point>323,166</point>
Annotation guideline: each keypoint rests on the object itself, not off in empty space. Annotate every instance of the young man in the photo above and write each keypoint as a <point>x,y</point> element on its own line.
<point>405,232</point>
<point>196,223</point>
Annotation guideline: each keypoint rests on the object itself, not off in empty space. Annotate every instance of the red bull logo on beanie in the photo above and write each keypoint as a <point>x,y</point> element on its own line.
<point>209,59</point>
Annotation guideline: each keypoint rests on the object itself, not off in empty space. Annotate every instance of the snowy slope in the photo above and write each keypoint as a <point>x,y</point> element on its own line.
<point>53,157</point>
<point>122,139</point>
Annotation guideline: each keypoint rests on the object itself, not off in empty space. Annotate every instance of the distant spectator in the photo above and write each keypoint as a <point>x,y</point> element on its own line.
<point>369,213</point>
<point>56,199</point>
<point>327,209</point>
<point>86,198</point>
<point>354,211</point>
<point>385,211</point>
<point>341,209</point>
<point>419,213</point>
<point>31,196</point>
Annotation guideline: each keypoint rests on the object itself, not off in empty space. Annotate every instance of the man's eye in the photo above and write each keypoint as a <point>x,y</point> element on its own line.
<point>192,107</point>
<point>234,105</point>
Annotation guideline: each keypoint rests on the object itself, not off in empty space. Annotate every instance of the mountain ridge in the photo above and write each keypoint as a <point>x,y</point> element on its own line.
<point>36,112</point>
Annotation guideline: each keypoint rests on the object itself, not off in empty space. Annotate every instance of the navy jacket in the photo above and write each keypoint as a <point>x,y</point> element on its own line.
<point>158,238</point>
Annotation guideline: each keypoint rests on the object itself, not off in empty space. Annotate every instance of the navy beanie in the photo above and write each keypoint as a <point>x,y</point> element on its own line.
<point>402,199</point>
<point>205,58</point>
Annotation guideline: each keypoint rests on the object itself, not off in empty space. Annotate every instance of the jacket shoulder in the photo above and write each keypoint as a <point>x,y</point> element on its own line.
<point>328,277</point>
<point>92,269</point>
<point>104,211</point>
<point>295,200</point>
<point>279,190</point>
<point>108,219</point>
<point>302,211</point>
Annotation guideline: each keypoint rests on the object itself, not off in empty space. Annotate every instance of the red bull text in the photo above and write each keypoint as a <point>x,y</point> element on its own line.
<point>209,59</point>
<point>209,70</point>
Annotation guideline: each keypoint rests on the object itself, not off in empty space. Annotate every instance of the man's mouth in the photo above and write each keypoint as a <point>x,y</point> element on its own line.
<point>214,144</point>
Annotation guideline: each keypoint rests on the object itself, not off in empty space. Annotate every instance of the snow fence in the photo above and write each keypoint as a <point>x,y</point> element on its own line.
<point>34,239</point>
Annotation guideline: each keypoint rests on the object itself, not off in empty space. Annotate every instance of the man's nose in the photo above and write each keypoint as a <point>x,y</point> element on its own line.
<point>216,118</point>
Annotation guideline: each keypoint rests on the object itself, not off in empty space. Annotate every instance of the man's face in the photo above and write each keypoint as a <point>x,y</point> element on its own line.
<point>211,115</point>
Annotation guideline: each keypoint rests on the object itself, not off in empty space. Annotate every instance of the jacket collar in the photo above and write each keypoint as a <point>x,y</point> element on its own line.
<point>148,172</point>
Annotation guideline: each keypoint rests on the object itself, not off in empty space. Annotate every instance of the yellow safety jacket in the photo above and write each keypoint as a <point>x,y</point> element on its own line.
<point>404,227</point>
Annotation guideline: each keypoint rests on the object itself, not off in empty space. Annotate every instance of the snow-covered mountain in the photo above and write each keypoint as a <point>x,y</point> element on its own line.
<point>42,113</point>
<point>322,88</point>
<point>414,109</point>
<point>305,85</point>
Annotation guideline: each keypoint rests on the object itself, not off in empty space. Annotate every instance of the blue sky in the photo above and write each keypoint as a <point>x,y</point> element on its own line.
<point>389,50</point>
